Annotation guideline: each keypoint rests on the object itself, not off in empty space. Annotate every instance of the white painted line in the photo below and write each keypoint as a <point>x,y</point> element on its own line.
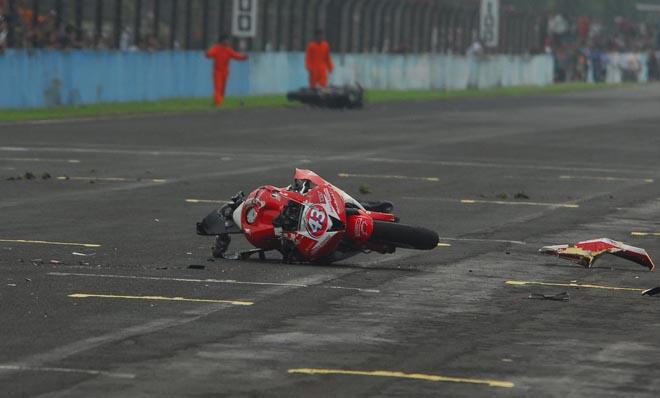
<point>490,165</point>
<point>165,152</point>
<point>496,202</point>
<point>502,202</point>
<point>159,298</point>
<point>66,370</point>
<point>44,242</point>
<point>390,177</point>
<point>227,281</point>
<point>41,160</point>
<point>515,242</point>
<point>110,179</point>
<point>191,200</point>
<point>606,178</point>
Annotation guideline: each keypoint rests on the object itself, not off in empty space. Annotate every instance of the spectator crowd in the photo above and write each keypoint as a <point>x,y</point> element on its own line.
<point>47,31</point>
<point>581,45</point>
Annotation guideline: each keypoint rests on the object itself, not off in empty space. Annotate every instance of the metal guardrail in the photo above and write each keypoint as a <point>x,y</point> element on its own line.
<point>351,26</point>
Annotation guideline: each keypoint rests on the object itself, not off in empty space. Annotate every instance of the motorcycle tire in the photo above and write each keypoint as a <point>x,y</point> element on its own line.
<point>404,236</point>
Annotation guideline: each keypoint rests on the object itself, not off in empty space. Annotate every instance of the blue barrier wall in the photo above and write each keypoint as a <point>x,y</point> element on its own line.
<point>47,78</point>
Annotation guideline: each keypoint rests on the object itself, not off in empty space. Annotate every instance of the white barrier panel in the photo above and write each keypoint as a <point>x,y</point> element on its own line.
<point>445,72</point>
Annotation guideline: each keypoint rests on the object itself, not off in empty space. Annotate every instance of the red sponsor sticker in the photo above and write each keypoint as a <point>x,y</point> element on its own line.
<point>317,221</point>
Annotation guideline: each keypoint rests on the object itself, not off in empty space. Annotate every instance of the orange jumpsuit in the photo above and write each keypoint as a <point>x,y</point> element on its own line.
<point>221,56</point>
<point>318,63</point>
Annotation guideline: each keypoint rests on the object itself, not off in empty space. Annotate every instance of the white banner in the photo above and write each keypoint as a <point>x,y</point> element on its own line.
<point>244,18</point>
<point>489,27</point>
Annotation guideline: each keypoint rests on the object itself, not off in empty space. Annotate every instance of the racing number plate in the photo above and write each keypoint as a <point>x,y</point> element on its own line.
<point>316,221</point>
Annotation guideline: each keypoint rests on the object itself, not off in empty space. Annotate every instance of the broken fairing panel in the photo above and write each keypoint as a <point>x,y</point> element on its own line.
<point>586,252</point>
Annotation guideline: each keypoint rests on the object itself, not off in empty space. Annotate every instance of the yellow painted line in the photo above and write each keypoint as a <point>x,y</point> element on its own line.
<point>502,202</point>
<point>191,200</point>
<point>40,160</point>
<point>574,285</point>
<point>393,177</point>
<point>43,242</point>
<point>402,375</point>
<point>110,179</point>
<point>159,298</point>
<point>444,244</point>
<point>607,178</point>
<point>645,233</point>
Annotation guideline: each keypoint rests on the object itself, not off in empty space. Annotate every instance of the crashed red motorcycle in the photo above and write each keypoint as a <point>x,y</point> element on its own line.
<point>310,221</point>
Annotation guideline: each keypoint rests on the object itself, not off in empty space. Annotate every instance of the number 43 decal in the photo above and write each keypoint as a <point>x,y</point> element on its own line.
<point>317,221</point>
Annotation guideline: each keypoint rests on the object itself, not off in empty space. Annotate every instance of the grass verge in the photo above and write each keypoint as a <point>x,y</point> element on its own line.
<point>200,105</point>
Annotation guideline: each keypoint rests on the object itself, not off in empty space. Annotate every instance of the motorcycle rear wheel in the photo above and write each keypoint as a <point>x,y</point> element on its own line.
<point>404,236</point>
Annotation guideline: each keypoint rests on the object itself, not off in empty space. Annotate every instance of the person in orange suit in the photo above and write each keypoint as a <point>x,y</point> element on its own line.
<point>221,54</point>
<point>318,61</point>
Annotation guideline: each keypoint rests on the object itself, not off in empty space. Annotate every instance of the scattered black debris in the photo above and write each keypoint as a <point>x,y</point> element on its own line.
<point>521,195</point>
<point>364,189</point>
<point>210,259</point>
<point>14,178</point>
<point>503,196</point>
<point>161,267</point>
<point>651,292</point>
<point>92,171</point>
<point>29,176</point>
<point>92,181</point>
<point>46,176</point>
<point>196,266</point>
<point>563,296</point>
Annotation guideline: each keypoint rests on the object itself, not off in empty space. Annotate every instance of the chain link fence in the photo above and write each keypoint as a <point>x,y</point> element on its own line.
<point>351,26</point>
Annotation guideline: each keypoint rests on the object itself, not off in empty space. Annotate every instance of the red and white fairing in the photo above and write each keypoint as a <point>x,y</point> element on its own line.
<point>323,220</point>
<point>324,209</point>
<point>586,252</point>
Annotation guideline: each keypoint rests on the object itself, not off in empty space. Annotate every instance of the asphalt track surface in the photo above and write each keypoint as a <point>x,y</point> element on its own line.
<point>437,323</point>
